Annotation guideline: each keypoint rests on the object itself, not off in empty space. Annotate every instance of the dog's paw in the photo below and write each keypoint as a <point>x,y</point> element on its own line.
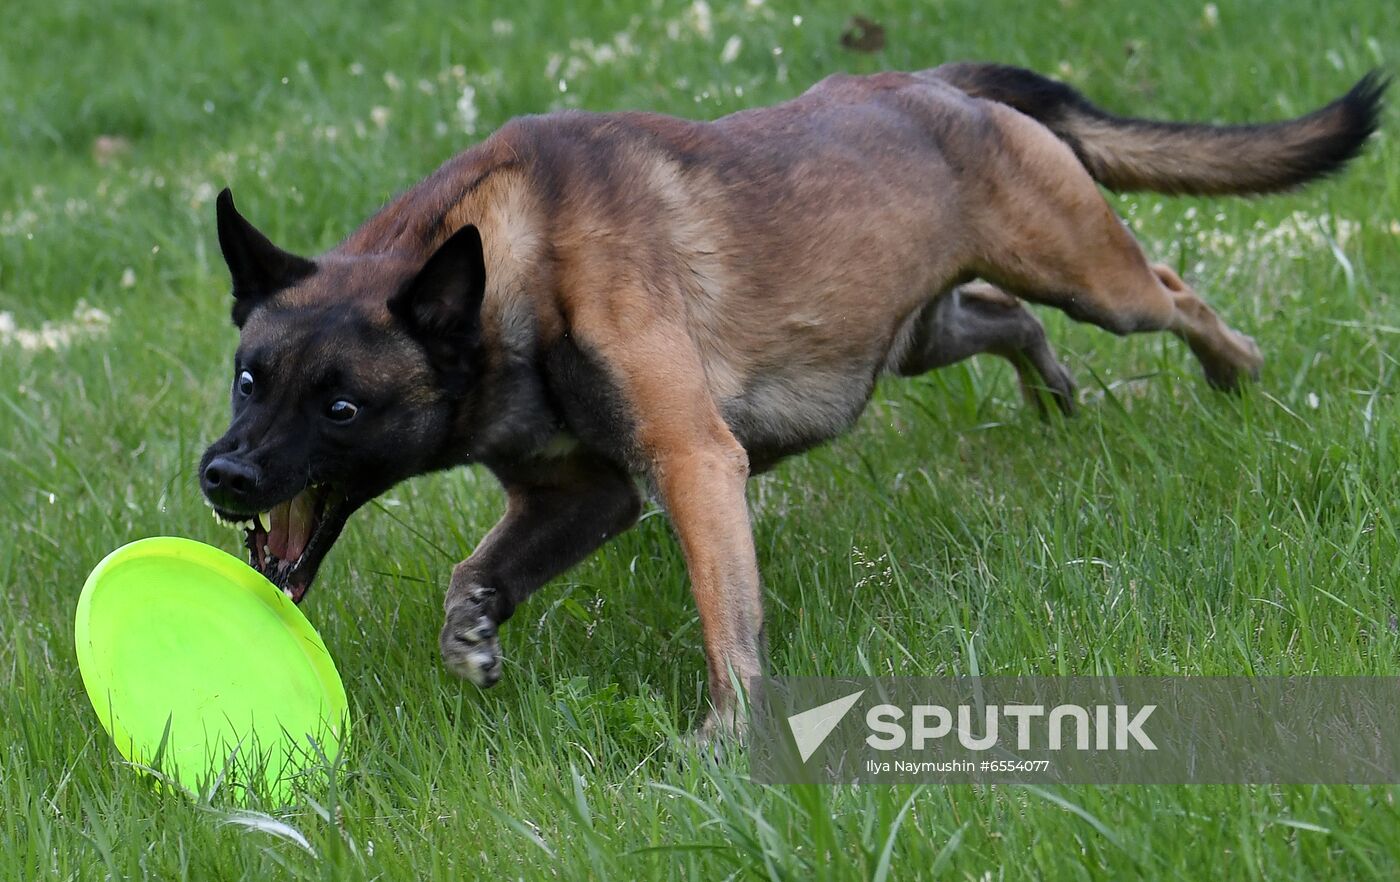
<point>470,646</point>
<point>721,728</point>
<point>1232,360</point>
<point>1051,379</point>
<point>716,740</point>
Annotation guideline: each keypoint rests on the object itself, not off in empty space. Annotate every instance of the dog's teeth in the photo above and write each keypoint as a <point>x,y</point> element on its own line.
<point>264,521</point>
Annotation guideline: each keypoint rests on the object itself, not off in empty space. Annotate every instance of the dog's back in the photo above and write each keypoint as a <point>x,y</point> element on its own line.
<point>799,240</point>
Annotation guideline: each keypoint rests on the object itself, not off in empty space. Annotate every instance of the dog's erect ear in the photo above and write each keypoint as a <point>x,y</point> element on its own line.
<point>258,267</point>
<point>441,306</point>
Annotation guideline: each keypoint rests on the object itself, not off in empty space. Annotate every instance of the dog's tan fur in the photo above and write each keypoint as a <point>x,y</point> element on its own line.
<point>741,283</point>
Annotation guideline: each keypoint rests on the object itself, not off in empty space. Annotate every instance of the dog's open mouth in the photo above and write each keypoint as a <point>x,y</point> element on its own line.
<point>288,542</point>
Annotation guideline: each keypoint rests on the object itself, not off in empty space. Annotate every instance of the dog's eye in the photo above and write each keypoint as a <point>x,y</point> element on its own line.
<point>342,411</point>
<point>245,384</point>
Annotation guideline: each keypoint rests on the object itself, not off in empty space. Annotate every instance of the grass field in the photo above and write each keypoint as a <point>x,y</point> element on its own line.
<point>1166,530</point>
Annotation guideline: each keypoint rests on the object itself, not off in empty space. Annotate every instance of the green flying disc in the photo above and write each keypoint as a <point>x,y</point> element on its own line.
<point>200,668</point>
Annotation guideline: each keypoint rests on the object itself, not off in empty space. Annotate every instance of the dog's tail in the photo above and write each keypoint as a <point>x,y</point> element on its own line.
<point>1190,158</point>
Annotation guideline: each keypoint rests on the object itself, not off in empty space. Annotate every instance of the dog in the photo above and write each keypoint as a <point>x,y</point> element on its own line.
<point>583,300</point>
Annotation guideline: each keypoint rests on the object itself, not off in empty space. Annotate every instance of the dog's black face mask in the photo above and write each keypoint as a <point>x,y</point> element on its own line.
<point>348,379</point>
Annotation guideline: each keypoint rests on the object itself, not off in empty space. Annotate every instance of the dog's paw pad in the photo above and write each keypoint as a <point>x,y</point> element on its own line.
<point>470,646</point>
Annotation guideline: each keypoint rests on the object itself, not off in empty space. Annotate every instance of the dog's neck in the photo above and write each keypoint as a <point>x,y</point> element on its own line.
<point>421,218</point>
<point>502,411</point>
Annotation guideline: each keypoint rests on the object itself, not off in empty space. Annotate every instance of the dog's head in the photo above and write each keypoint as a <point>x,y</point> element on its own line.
<point>348,378</point>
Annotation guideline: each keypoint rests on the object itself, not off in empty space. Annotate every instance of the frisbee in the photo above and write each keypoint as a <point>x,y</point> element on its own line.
<point>199,668</point>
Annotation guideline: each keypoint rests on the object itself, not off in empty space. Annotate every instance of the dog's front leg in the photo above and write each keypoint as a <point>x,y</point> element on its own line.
<point>700,470</point>
<point>557,512</point>
<point>702,487</point>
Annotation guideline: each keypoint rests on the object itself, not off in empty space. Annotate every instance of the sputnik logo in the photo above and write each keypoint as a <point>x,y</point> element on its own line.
<point>811,727</point>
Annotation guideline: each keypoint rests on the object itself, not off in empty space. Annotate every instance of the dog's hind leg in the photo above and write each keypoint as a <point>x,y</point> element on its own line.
<point>1046,234</point>
<point>557,512</point>
<point>976,318</point>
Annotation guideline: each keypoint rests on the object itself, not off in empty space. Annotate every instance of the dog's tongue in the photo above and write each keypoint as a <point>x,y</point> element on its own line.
<point>289,526</point>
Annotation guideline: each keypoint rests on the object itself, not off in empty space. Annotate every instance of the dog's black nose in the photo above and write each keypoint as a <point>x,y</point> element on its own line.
<point>228,481</point>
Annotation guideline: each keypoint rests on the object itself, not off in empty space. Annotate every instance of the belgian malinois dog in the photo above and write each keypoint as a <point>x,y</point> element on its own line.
<point>584,299</point>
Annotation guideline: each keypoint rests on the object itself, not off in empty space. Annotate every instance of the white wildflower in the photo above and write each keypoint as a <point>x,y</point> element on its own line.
<point>128,278</point>
<point>202,194</point>
<point>502,27</point>
<point>14,223</point>
<point>466,109</point>
<point>379,115</point>
<point>701,20</point>
<point>87,322</point>
<point>731,50</point>
<point>1210,15</point>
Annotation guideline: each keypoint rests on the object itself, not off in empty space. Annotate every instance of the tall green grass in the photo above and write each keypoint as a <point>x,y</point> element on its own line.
<point>1165,530</point>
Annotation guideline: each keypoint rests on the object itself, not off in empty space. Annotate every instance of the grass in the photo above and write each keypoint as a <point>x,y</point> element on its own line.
<point>1165,530</point>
